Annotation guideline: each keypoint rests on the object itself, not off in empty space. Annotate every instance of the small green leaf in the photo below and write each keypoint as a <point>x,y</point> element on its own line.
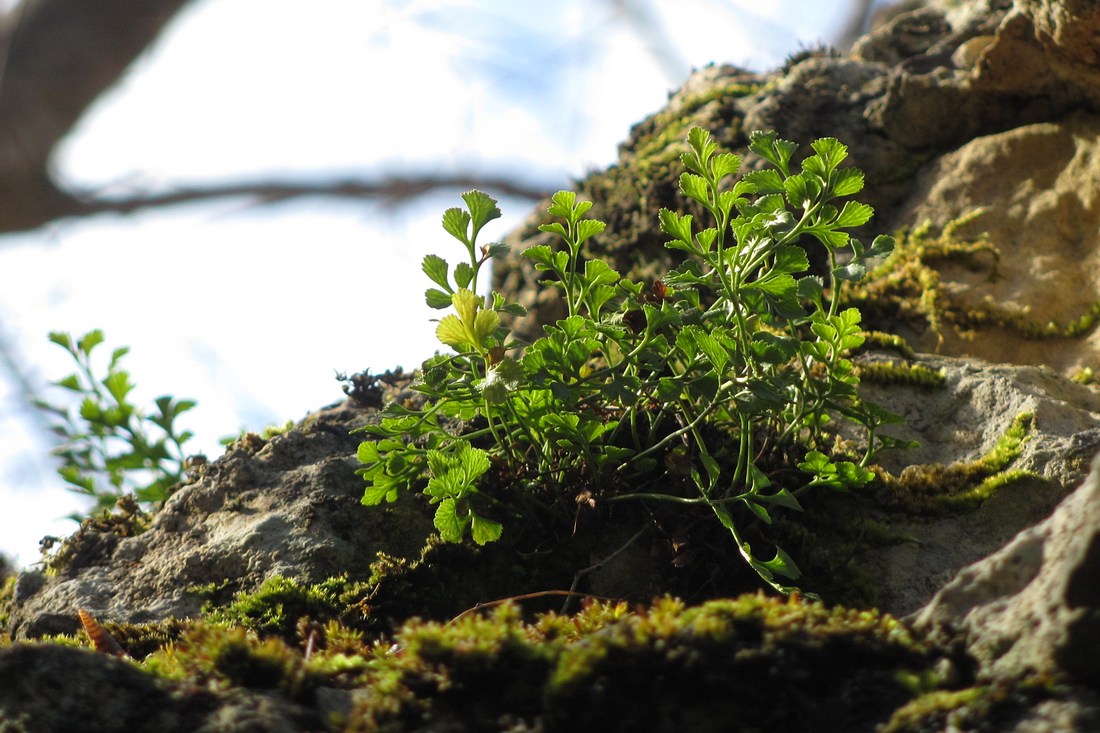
<point>781,498</point>
<point>451,527</point>
<point>831,238</point>
<point>381,489</point>
<point>771,148</point>
<point>832,152</point>
<point>437,299</point>
<point>587,228</point>
<point>368,452</point>
<point>851,272</point>
<point>553,228</point>
<point>725,164</point>
<point>464,274</point>
<point>882,245</point>
<point>715,353</point>
<point>706,240</point>
<point>815,462</point>
<point>695,187</point>
<point>484,530</point>
<point>118,384</point>
<point>848,181</point>
<point>758,510</point>
<point>90,340</point>
<point>71,383</point>
<point>435,267</point>
<point>854,214</point>
<point>676,225</point>
<point>452,332</point>
<point>563,205</point>
<point>799,192</point>
<point>62,339</point>
<point>598,272</point>
<point>473,462</point>
<point>765,181</point>
<point>482,206</point>
<point>456,222</point>
<point>116,356</point>
<point>782,565</point>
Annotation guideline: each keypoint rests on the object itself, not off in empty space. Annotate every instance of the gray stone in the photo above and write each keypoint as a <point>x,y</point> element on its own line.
<point>1033,606</point>
<point>289,506</point>
<point>962,421</point>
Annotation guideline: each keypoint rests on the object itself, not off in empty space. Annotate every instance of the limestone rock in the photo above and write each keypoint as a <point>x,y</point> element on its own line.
<point>288,506</point>
<point>1034,606</point>
<point>960,422</point>
<point>1049,48</point>
<point>1037,186</point>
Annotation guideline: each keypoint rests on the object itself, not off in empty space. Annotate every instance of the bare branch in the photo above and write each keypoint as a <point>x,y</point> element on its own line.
<point>389,189</point>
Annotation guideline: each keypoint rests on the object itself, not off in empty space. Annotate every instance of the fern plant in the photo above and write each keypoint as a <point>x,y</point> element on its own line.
<point>734,358</point>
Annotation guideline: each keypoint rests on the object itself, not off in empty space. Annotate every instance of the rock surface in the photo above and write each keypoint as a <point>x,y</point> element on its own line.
<point>961,422</point>
<point>1033,606</point>
<point>287,506</point>
<point>1045,226</point>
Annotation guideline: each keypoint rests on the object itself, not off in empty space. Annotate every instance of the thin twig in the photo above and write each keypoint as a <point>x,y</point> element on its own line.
<point>598,566</point>
<point>527,597</point>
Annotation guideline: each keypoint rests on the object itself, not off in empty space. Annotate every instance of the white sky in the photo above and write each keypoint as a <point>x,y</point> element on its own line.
<point>251,309</point>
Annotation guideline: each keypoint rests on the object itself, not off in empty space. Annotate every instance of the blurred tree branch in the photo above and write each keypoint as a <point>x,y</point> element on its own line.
<point>58,56</point>
<point>389,188</point>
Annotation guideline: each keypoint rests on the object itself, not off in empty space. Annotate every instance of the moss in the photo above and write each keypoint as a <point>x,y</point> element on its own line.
<point>981,707</point>
<point>891,372</point>
<point>228,657</point>
<point>277,605</point>
<point>768,663</point>
<point>7,595</point>
<point>1085,375</point>
<point>141,640</point>
<point>907,287</point>
<point>937,489</point>
<point>883,340</point>
<point>97,536</point>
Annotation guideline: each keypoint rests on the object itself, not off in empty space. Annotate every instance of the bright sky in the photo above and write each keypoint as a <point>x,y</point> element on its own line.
<point>252,309</point>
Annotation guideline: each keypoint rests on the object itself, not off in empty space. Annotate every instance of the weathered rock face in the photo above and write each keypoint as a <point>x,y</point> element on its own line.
<point>289,506</point>
<point>1033,606</point>
<point>1038,188</point>
<point>960,422</point>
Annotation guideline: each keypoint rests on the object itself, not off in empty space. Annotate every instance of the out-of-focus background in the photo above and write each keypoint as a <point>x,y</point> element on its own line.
<point>242,190</point>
